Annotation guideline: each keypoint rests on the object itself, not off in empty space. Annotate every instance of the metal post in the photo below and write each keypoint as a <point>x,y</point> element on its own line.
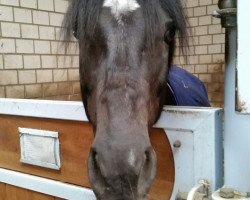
<point>236,132</point>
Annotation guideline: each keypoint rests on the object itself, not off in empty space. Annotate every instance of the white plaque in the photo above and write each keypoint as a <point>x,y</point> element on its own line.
<point>40,147</point>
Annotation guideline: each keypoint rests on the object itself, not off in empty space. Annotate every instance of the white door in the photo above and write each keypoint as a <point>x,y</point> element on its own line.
<point>243,66</point>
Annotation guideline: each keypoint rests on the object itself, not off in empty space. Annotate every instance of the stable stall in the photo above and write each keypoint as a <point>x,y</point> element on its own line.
<point>44,147</point>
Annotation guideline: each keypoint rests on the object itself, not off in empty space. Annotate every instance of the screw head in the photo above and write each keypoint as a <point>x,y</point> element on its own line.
<point>177,144</point>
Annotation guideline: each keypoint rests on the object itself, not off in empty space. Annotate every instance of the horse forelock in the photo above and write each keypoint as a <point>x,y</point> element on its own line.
<point>83,17</point>
<point>119,7</point>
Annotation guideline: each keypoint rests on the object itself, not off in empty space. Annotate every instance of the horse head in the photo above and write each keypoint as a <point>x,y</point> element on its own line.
<point>125,48</point>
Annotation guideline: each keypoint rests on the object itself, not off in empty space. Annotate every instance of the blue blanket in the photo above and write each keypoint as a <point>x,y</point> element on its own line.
<point>186,88</point>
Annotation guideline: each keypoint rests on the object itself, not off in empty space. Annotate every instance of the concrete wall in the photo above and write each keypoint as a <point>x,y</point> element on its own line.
<point>32,65</point>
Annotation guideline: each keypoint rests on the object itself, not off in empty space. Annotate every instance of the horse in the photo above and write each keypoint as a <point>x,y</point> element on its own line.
<point>125,50</point>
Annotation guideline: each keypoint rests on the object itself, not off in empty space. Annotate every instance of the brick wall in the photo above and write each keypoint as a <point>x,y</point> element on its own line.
<point>205,57</point>
<point>32,64</point>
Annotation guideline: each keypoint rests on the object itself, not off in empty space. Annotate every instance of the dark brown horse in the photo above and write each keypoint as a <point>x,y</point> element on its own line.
<point>125,47</point>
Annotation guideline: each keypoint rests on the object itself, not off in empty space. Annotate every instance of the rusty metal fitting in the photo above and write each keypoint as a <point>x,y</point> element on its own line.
<point>227,13</point>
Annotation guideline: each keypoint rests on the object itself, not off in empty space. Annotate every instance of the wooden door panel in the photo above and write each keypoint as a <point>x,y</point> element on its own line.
<point>9,192</point>
<point>75,141</point>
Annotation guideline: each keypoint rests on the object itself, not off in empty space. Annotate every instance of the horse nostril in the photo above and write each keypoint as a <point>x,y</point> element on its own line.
<point>94,157</point>
<point>94,173</point>
<point>148,155</point>
<point>148,172</point>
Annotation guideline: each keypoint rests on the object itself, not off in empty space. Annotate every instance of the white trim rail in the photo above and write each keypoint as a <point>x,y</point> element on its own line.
<point>45,186</point>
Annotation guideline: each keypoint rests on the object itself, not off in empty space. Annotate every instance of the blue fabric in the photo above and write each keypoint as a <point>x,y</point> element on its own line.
<point>187,89</point>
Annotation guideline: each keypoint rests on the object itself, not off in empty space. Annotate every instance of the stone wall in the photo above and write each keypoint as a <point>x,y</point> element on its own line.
<point>32,65</point>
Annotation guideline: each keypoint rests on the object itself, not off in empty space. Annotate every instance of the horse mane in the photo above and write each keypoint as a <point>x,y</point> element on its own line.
<point>83,15</point>
<point>176,12</point>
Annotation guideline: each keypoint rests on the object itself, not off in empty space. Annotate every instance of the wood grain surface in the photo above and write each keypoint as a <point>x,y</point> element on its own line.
<point>9,192</point>
<point>75,141</point>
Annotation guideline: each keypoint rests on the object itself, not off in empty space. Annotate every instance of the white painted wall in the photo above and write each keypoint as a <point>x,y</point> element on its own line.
<point>237,125</point>
<point>243,66</point>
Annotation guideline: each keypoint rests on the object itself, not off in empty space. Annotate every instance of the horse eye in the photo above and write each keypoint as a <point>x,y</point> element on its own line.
<point>75,30</point>
<point>169,34</point>
<point>75,34</point>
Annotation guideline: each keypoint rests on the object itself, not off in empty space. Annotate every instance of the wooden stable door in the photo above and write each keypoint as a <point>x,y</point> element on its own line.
<point>75,141</point>
<point>9,192</point>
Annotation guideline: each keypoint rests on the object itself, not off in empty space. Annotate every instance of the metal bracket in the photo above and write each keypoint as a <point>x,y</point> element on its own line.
<point>227,13</point>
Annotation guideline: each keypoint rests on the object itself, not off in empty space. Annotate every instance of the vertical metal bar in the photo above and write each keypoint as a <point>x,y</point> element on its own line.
<point>236,135</point>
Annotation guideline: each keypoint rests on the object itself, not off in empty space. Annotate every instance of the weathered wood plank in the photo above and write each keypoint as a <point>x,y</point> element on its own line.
<point>15,193</point>
<point>75,141</point>
<point>164,182</point>
<point>2,191</point>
